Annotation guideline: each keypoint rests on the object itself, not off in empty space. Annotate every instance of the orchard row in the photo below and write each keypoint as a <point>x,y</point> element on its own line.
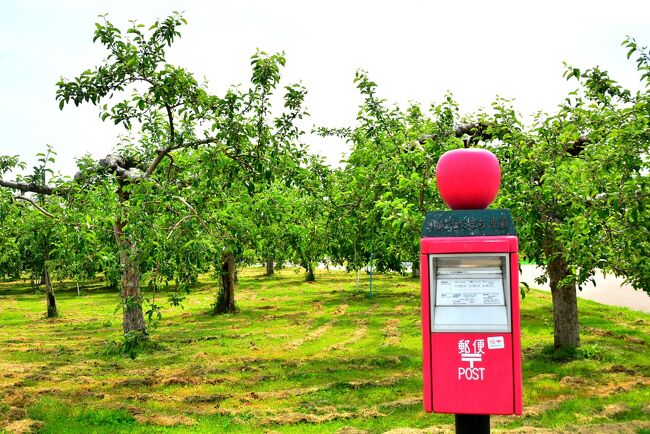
<point>206,182</point>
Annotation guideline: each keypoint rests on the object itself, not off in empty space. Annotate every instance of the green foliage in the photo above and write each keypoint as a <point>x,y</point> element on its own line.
<point>132,344</point>
<point>196,162</point>
<point>577,181</point>
<point>10,162</point>
<point>198,174</point>
<point>380,197</point>
<point>11,260</point>
<point>565,354</point>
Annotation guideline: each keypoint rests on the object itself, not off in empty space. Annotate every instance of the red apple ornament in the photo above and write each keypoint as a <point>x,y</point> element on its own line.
<point>468,178</point>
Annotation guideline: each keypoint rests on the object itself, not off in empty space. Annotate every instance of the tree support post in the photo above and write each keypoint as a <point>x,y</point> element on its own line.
<point>371,275</point>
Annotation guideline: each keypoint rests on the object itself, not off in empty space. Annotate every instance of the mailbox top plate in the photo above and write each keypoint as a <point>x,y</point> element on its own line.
<point>468,223</point>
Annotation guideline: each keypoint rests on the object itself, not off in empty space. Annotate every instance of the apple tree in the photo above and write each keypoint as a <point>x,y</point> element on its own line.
<point>387,185</point>
<point>577,185</point>
<point>182,144</point>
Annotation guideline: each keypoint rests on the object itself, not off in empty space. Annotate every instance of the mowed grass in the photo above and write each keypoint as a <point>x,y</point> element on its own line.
<point>298,358</point>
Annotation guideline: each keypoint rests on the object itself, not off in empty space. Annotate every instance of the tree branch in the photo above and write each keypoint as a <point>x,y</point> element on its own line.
<point>31,188</point>
<point>163,152</point>
<point>45,213</point>
<point>474,132</point>
<point>177,224</point>
<point>191,208</point>
<point>117,164</point>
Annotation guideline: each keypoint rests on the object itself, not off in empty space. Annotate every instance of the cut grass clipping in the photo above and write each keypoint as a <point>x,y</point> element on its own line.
<point>298,358</point>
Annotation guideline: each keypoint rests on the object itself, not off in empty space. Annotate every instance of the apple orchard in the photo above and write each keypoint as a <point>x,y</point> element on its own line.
<point>206,183</point>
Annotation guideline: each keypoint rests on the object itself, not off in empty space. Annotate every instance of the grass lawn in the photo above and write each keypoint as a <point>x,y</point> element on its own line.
<point>298,358</point>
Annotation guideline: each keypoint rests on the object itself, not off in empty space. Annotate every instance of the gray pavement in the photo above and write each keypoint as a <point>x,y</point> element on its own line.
<point>608,290</point>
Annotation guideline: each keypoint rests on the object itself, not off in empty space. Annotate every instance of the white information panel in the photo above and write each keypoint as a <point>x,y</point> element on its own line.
<point>469,292</point>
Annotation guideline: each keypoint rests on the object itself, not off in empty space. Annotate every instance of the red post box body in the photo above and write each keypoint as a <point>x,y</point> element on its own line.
<point>470,322</point>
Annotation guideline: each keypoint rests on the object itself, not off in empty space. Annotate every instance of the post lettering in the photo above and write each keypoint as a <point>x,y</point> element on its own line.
<point>471,374</point>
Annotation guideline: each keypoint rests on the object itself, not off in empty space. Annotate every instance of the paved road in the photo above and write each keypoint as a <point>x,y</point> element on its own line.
<point>608,290</point>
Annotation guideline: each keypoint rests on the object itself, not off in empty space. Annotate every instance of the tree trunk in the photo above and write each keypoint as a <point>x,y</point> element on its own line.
<point>132,315</point>
<point>269,267</point>
<point>565,305</point>
<point>47,281</point>
<point>311,277</point>
<point>49,294</point>
<point>415,268</point>
<point>226,296</point>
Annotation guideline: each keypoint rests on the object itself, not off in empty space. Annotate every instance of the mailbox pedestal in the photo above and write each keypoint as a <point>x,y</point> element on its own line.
<point>470,313</point>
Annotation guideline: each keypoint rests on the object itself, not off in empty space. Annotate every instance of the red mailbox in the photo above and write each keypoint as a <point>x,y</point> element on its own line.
<point>470,313</point>
<point>470,324</point>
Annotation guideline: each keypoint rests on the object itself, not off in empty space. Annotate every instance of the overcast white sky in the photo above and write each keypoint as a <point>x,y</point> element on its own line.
<point>415,50</point>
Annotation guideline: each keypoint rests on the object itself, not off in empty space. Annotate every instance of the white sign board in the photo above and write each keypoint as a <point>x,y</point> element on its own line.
<point>469,292</point>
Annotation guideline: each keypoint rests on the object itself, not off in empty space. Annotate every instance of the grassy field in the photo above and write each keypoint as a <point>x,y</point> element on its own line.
<point>298,358</point>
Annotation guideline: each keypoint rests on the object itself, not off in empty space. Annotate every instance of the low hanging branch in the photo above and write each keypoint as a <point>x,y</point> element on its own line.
<point>124,169</point>
<point>114,163</point>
